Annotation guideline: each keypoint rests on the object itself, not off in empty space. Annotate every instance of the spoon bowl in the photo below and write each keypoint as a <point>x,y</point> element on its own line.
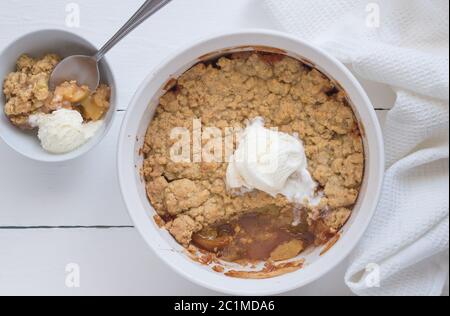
<point>83,69</point>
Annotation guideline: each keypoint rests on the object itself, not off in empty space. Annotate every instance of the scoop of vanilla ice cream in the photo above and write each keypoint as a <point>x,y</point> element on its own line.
<point>273,162</point>
<point>63,130</point>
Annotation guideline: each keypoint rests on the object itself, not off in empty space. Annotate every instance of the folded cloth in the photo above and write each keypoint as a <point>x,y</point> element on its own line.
<point>405,44</point>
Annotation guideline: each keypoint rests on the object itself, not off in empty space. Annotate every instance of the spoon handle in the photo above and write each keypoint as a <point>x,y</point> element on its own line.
<point>149,8</point>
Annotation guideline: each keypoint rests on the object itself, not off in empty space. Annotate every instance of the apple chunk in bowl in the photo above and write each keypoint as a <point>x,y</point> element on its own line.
<point>28,103</point>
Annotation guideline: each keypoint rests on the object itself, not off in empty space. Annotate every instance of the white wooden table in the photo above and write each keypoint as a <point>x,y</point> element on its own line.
<point>55,215</point>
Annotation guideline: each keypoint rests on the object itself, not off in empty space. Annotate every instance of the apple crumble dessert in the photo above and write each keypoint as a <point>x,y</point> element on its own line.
<point>196,200</point>
<point>30,102</point>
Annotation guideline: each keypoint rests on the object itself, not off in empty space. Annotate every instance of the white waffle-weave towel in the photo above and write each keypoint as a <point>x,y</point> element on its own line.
<point>405,44</point>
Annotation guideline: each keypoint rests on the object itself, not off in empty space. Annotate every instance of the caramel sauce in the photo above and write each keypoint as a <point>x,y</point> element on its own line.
<point>253,237</point>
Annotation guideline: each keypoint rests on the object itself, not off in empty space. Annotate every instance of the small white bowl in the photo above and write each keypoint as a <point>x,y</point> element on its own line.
<point>37,44</point>
<point>141,111</point>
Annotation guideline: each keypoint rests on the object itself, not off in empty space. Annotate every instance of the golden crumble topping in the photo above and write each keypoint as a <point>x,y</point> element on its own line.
<point>27,92</point>
<point>192,197</point>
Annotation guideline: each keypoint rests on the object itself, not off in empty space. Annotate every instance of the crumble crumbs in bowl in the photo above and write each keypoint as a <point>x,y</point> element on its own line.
<point>51,125</point>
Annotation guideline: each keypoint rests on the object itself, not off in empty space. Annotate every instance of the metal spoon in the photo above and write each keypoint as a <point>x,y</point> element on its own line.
<point>84,69</point>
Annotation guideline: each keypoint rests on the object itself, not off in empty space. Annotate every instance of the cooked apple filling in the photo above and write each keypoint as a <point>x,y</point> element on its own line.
<point>27,93</point>
<point>192,197</point>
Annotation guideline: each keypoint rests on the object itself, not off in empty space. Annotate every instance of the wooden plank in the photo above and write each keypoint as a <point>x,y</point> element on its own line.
<point>110,261</point>
<point>381,95</point>
<point>382,114</point>
<point>84,192</point>
<point>178,25</point>
<point>81,192</point>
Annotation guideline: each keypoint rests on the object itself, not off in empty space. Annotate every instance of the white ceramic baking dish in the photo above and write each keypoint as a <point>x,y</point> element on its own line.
<point>141,111</point>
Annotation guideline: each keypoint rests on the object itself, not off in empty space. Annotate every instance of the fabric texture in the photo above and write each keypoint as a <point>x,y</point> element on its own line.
<point>405,44</point>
